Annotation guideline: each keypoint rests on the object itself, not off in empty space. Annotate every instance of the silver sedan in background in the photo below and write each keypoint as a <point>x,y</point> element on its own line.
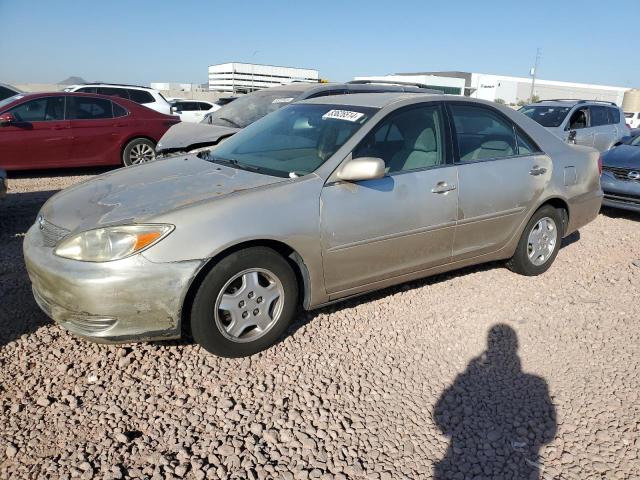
<point>319,201</point>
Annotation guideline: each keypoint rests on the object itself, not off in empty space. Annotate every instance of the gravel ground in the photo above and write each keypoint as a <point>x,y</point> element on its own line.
<point>476,374</point>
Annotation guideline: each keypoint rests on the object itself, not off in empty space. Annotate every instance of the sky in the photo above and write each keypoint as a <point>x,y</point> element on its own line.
<point>141,41</point>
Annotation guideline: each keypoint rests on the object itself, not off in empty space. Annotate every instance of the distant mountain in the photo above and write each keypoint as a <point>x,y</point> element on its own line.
<point>72,81</point>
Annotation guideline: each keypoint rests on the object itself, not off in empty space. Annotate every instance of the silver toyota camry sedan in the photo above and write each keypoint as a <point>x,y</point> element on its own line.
<point>319,201</point>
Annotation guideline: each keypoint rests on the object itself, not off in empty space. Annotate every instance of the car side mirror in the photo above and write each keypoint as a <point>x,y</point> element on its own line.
<point>363,168</point>
<point>7,119</point>
<point>572,136</point>
<point>175,110</point>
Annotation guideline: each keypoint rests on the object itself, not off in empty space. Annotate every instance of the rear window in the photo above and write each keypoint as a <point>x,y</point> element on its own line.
<point>140,96</point>
<point>546,116</point>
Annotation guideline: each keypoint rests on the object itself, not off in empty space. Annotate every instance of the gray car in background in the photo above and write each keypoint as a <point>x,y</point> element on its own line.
<point>319,201</point>
<point>582,122</point>
<point>243,111</point>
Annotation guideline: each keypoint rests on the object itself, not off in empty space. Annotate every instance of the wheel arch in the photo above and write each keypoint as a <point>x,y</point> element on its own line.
<point>130,139</point>
<point>559,204</point>
<point>288,253</point>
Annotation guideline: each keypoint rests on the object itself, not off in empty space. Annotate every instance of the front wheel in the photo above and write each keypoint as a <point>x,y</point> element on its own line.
<point>137,151</point>
<point>539,244</point>
<point>244,303</point>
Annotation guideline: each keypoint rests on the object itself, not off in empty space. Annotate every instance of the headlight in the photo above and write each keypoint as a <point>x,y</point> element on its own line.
<point>111,243</point>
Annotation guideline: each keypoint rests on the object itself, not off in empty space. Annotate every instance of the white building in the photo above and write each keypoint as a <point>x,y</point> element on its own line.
<point>510,89</point>
<point>247,77</point>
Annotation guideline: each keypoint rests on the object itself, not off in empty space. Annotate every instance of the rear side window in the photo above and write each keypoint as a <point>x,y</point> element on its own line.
<point>81,108</point>
<point>482,134</point>
<point>599,116</point>
<point>119,111</point>
<point>188,106</point>
<point>526,146</point>
<point>114,92</point>
<point>40,110</point>
<point>614,114</point>
<point>204,106</point>
<point>140,96</point>
<point>87,90</point>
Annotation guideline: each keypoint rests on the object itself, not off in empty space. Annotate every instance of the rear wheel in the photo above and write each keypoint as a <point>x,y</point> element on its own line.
<point>539,244</point>
<point>244,303</point>
<point>137,151</point>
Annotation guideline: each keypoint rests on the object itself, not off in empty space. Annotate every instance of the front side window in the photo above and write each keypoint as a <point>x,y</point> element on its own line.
<point>411,139</point>
<point>599,116</point>
<point>87,108</point>
<point>40,110</point>
<point>482,134</point>
<point>579,119</point>
<point>293,141</point>
<point>546,116</point>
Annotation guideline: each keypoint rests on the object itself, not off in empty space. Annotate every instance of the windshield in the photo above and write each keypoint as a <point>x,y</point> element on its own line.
<point>293,141</point>
<point>546,116</point>
<point>249,108</point>
<point>7,101</point>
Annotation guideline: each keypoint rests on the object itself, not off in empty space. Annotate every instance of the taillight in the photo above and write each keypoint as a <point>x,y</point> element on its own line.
<point>600,164</point>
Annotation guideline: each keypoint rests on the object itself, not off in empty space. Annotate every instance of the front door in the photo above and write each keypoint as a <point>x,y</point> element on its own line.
<point>40,137</point>
<point>379,229</point>
<point>501,174</point>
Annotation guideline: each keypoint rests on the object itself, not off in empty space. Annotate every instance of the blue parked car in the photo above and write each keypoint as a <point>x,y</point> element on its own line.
<point>620,178</point>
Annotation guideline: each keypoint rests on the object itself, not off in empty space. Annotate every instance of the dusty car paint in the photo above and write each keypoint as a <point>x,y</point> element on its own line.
<point>193,134</point>
<point>335,243</point>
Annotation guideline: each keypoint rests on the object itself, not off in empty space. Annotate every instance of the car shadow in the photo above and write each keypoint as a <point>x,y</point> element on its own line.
<point>619,213</point>
<point>496,416</point>
<point>19,313</point>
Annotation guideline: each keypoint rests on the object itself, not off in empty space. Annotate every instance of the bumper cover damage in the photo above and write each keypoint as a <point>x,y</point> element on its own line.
<point>127,300</point>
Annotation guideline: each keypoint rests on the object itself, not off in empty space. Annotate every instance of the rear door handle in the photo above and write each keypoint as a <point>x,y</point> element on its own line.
<point>535,171</point>
<point>442,187</point>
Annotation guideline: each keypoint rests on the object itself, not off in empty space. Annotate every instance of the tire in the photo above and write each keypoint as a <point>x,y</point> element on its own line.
<point>137,151</point>
<point>260,289</point>
<point>530,259</point>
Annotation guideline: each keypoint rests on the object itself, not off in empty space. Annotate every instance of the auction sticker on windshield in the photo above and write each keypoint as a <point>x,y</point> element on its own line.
<point>347,115</point>
<point>282,100</point>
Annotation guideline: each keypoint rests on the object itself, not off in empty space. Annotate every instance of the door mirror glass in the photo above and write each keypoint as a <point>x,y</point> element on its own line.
<point>363,168</point>
<point>6,119</point>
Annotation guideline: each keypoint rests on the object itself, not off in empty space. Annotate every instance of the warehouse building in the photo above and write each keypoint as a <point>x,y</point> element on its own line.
<point>248,77</point>
<point>509,89</point>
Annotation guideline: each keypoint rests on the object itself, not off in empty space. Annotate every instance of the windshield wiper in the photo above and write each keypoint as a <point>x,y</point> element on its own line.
<point>230,122</point>
<point>234,163</point>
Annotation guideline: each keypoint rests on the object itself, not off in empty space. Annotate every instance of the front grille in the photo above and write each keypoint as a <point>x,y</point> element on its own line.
<point>621,173</point>
<point>51,234</point>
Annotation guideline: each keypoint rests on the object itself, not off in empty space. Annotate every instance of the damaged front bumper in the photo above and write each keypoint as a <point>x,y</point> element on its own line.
<point>126,300</point>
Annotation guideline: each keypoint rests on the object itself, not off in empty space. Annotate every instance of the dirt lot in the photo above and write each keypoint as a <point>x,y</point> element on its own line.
<point>476,374</point>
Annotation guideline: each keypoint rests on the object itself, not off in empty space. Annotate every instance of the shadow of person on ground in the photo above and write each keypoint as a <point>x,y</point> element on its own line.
<point>497,417</point>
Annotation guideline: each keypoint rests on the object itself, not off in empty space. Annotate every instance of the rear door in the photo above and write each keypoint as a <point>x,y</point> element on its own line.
<point>96,132</point>
<point>39,138</point>
<point>604,131</point>
<point>501,174</point>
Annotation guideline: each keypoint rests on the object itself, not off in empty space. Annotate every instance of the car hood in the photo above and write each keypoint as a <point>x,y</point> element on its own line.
<point>137,194</point>
<point>623,156</point>
<point>185,134</point>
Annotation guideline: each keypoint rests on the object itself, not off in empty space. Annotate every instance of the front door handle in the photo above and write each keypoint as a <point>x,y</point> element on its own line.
<point>442,187</point>
<point>535,171</point>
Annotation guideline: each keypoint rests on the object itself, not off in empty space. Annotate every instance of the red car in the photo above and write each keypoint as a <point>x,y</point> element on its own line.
<point>59,129</point>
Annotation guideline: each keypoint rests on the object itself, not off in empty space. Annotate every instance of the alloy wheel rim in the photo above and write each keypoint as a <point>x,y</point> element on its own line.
<point>249,305</point>
<point>542,240</point>
<point>141,153</point>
